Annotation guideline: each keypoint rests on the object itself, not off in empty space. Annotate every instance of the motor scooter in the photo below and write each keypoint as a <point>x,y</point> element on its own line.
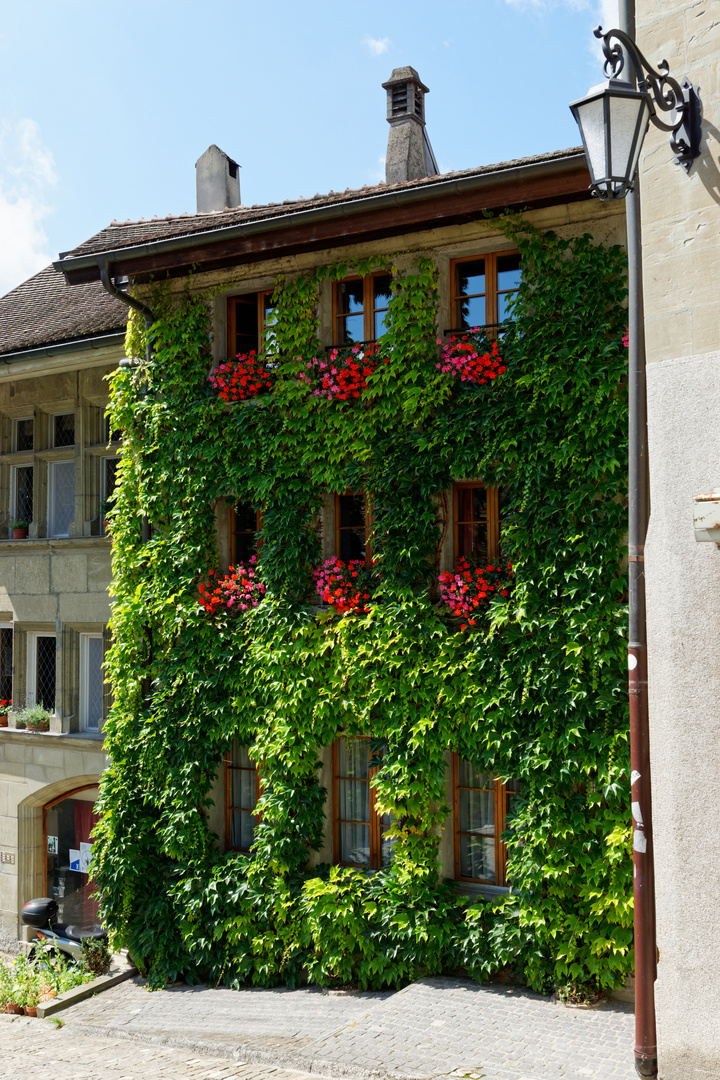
<point>65,938</point>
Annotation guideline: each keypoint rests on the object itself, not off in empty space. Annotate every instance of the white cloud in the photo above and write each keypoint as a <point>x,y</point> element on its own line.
<point>27,173</point>
<point>377,46</point>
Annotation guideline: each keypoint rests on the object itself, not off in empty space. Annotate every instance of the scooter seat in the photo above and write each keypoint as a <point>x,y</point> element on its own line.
<point>74,933</point>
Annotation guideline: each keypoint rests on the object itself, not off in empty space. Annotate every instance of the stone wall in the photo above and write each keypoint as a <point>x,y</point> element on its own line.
<point>681,259</point>
<point>35,770</point>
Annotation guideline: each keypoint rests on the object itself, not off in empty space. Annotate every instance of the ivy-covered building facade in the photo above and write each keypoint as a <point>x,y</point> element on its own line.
<point>369,715</point>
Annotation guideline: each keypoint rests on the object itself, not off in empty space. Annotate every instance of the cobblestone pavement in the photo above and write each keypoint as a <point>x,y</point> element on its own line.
<point>436,1029</point>
<point>37,1050</point>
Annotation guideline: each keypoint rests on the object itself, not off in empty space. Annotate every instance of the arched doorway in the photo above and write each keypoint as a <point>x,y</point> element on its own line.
<point>33,869</point>
<point>68,822</point>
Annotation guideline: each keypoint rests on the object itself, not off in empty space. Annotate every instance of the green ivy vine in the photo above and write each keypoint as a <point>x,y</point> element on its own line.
<point>538,694</point>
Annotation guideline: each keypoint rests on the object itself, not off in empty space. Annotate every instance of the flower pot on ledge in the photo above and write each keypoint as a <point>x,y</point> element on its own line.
<point>3,719</point>
<point>19,534</point>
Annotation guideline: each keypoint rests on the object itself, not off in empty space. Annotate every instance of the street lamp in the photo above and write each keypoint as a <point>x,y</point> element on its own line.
<point>614,116</point>
<point>613,120</point>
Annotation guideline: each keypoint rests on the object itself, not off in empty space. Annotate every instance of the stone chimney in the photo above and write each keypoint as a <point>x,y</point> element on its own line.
<point>217,181</point>
<point>409,153</point>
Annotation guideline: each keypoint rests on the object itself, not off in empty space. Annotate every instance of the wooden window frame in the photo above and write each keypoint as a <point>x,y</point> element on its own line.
<point>491,289</point>
<point>231,530</point>
<point>232,322</point>
<point>229,767</point>
<point>500,805</point>
<point>368,524</point>
<point>493,518</point>
<point>368,306</point>
<point>375,822</point>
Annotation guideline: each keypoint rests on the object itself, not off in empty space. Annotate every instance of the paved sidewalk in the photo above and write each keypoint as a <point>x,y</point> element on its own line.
<point>37,1050</point>
<point>436,1029</point>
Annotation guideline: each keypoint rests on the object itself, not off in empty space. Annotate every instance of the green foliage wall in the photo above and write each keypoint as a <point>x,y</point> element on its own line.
<point>537,693</point>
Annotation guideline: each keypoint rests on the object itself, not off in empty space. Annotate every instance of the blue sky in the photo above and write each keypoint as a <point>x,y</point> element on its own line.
<point>104,109</point>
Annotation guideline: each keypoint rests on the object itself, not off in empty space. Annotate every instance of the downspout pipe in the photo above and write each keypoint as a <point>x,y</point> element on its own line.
<point>144,310</point>
<point>638,518</point>
<point>129,301</point>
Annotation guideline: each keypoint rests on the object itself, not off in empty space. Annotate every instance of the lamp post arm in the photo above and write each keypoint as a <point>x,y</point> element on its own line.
<point>668,95</point>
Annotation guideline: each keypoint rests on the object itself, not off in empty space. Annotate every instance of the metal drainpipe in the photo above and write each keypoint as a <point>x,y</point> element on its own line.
<point>638,517</point>
<point>136,305</point>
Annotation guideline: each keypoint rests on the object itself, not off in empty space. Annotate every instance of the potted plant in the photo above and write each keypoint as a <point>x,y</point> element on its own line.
<point>5,707</point>
<point>19,528</point>
<point>35,717</point>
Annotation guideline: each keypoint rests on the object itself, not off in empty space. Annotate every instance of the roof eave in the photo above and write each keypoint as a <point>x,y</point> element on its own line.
<point>83,268</point>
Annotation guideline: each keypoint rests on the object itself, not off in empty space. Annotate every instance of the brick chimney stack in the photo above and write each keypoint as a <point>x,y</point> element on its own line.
<point>409,153</point>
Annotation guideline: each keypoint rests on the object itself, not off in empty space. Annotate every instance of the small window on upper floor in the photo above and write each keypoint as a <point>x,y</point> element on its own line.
<point>250,319</point>
<point>61,497</point>
<point>63,429</point>
<point>481,289</point>
<point>360,308</point>
<point>245,523</point>
<point>476,511</point>
<point>352,527</point>
<point>21,498</point>
<point>111,435</point>
<point>24,434</point>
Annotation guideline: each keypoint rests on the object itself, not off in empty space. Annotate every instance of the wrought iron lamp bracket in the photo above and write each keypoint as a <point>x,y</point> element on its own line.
<point>668,95</point>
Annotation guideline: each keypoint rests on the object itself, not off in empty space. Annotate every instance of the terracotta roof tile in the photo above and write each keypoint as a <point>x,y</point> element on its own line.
<point>44,310</point>
<point>121,234</point>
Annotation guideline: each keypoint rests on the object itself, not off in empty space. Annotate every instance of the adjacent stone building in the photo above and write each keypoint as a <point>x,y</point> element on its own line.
<point>57,467</point>
<point>681,260</point>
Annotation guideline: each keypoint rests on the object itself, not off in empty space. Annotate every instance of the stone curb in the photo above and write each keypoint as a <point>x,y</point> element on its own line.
<point>80,993</point>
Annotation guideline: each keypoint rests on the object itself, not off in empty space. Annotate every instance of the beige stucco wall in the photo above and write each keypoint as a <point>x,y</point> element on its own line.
<point>681,260</point>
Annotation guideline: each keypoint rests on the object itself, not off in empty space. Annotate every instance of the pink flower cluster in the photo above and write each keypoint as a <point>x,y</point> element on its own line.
<point>343,375</point>
<point>469,588</point>
<point>345,586</point>
<point>238,591</point>
<point>626,338</point>
<point>462,358</point>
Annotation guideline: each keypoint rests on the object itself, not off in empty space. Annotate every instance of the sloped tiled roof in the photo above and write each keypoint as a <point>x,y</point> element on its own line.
<point>120,234</point>
<point>45,310</point>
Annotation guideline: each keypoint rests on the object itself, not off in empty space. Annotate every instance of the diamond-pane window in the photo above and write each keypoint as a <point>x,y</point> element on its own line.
<point>62,497</point>
<point>24,493</point>
<point>6,662</point>
<point>45,672</point>
<point>64,429</point>
<point>111,468</point>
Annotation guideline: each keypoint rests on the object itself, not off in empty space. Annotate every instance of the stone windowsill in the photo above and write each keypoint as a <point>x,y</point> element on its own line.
<point>82,740</point>
<point>35,543</point>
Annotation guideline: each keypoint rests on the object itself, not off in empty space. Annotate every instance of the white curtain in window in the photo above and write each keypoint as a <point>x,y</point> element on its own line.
<point>92,681</point>
<point>62,497</point>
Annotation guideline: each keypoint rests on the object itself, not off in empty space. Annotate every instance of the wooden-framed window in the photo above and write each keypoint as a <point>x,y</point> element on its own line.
<point>360,308</point>
<point>480,808</point>
<point>250,318</point>
<point>241,796</point>
<point>352,527</point>
<point>245,523</point>
<point>476,513</point>
<point>359,831</point>
<point>481,286</point>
